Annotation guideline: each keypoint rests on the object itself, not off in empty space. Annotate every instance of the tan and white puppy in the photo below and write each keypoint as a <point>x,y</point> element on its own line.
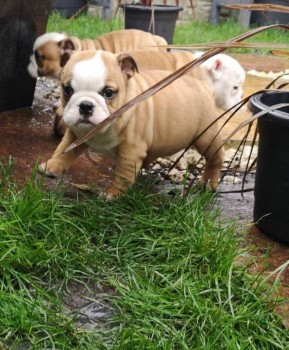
<point>223,73</point>
<point>48,48</point>
<point>97,83</point>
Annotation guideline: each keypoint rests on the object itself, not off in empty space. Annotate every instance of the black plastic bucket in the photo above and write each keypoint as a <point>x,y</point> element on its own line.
<point>261,18</point>
<point>21,21</point>
<point>68,8</point>
<point>271,207</point>
<point>141,17</point>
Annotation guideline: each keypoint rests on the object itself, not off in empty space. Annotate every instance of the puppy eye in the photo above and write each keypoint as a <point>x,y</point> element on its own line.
<point>68,90</point>
<point>38,57</point>
<point>108,93</point>
<point>236,87</point>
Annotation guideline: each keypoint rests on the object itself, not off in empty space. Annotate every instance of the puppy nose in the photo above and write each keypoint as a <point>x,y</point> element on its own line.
<point>86,108</point>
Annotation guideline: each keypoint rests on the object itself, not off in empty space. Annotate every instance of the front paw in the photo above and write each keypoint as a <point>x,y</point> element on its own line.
<point>52,168</point>
<point>208,185</point>
<point>110,194</point>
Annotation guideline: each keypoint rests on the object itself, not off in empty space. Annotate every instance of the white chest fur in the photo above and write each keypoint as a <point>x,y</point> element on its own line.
<point>105,142</point>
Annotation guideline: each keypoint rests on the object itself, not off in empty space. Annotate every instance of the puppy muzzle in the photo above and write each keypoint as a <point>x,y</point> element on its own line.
<point>86,109</point>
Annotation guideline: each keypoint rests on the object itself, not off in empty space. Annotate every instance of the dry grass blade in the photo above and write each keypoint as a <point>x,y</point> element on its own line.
<point>256,116</point>
<point>282,85</point>
<point>260,7</point>
<point>272,83</point>
<point>248,166</point>
<point>281,53</point>
<point>248,122</point>
<point>230,45</point>
<point>233,110</point>
<point>237,191</point>
<point>165,82</point>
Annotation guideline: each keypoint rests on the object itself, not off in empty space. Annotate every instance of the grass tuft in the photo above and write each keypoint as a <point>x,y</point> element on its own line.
<point>204,32</point>
<point>169,261</point>
<point>84,26</point>
<point>191,32</point>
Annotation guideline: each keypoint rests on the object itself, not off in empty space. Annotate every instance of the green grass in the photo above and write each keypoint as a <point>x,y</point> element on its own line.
<point>186,33</point>
<point>82,26</point>
<point>200,32</point>
<point>170,262</point>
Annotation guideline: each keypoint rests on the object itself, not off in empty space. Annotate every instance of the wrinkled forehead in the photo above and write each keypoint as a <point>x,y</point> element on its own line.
<point>235,67</point>
<point>88,71</point>
<point>89,74</point>
<point>240,76</point>
<point>233,74</point>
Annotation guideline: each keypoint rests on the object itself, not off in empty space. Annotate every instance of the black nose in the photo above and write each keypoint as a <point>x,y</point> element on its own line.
<point>86,108</point>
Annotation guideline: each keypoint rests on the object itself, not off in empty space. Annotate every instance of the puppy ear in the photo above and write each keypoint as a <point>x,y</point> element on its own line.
<point>127,65</point>
<point>217,64</point>
<point>215,68</point>
<point>66,45</point>
<point>64,58</point>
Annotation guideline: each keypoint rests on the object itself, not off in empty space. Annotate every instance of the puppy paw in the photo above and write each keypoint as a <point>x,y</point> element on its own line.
<point>110,194</point>
<point>208,185</point>
<point>51,169</point>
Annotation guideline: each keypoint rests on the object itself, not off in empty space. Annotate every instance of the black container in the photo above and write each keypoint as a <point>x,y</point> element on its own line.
<point>21,21</point>
<point>261,18</point>
<point>271,207</point>
<point>159,20</point>
<point>68,8</point>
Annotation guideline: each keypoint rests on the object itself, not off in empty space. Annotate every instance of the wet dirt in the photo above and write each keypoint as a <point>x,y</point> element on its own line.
<point>27,137</point>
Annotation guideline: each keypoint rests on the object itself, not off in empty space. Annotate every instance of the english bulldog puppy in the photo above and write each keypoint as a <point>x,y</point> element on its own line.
<point>49,48</point>
<point>223,73</point>
<point>97,83</point>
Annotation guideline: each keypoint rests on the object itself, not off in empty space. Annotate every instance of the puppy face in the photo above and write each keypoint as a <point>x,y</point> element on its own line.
<point>89,91</point>
<point>45,60</point>
<point>227,77</point>
<point>84,92</point>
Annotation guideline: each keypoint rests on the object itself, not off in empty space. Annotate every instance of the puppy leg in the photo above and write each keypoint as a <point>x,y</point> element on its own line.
<point>128,164</point>
<point>59,125</point>
<point>211,148</point>
<point>60,162</point>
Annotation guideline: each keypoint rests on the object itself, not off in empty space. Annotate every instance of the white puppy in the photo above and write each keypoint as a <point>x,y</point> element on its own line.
<point>227,78</point>
<point>222,73</point>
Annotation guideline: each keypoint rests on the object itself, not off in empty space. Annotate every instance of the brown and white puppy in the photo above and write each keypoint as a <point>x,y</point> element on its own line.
<point>223,73</point>
<point>48,48</point>
<point>97,83</point>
